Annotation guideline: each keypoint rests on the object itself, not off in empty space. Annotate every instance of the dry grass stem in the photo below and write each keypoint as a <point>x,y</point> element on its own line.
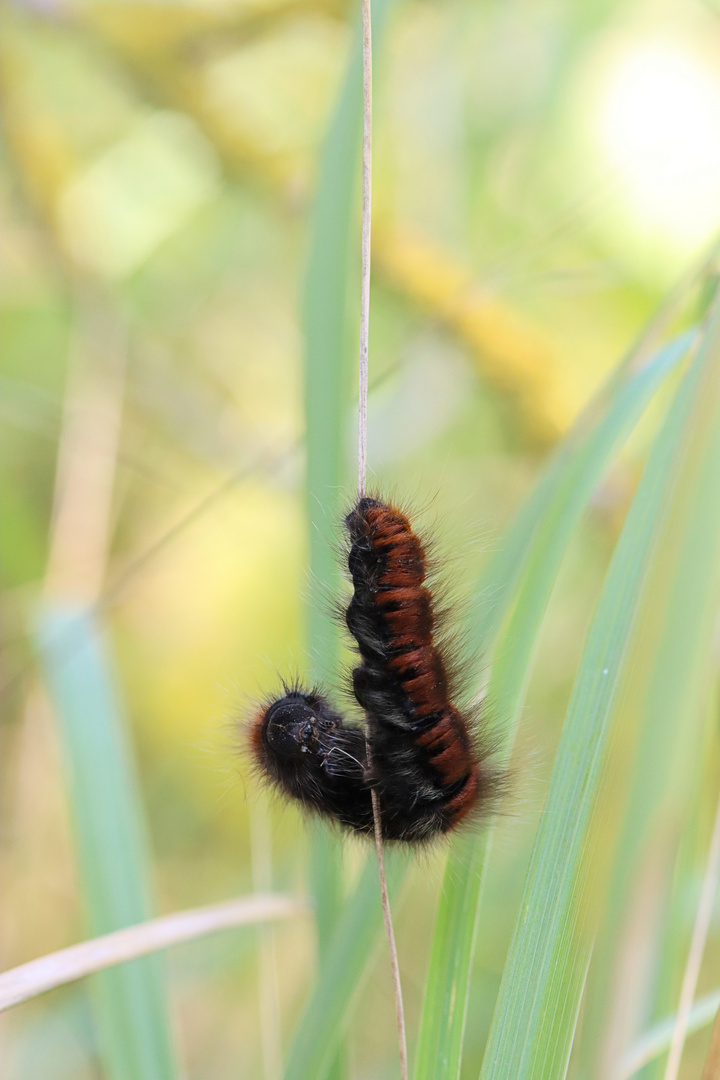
<point>365,257</point>
<point>47,972</point>
<point>362,483</point>
<point>87,453</point>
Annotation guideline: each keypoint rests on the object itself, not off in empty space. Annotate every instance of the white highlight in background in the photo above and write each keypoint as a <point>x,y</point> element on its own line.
<point>660,127</point>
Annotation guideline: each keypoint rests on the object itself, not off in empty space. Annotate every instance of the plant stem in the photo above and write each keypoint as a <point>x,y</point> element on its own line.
<point>362,482</point>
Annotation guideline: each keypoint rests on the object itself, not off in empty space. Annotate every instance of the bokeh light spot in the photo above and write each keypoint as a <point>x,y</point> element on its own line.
<point>660,127</point>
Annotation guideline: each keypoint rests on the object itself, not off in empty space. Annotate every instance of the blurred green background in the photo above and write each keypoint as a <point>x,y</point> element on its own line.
<point>544,172</point>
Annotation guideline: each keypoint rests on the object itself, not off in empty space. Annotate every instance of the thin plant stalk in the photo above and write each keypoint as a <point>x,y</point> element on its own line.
<point>365,244</point>
<point>129,1003</point>
<point>362,484</point>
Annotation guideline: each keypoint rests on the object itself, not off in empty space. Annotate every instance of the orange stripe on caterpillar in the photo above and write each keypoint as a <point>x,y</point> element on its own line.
<point>428,765</point>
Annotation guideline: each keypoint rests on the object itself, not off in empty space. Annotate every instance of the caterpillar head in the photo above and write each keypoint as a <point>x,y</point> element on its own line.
<point>289,727</point>
<point>303,747</point>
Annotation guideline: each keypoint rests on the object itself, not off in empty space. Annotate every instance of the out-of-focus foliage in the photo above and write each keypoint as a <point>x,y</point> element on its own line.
<point>543,173</point>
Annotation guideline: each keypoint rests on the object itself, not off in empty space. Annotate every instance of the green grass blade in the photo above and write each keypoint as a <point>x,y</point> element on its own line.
<point>566,492</point>
<point>135,1037</point>
<point>671,785</point>
<point>500,580</point>
<point>356,935</point>
<point>669,933</point>
<point>329,362</point>
<point>542,985</point>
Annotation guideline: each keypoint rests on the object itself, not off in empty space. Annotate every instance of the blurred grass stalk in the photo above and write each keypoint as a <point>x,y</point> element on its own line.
<point>329,314</point>
<point>261,855</point>
<point>120,946</point>
<point>654,1042</point>
<point>129,1002</point>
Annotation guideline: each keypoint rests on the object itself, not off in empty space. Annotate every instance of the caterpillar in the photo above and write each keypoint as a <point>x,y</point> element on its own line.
<point>428,762</point>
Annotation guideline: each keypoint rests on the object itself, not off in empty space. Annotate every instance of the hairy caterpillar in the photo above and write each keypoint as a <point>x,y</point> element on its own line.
<point>428,765</point>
